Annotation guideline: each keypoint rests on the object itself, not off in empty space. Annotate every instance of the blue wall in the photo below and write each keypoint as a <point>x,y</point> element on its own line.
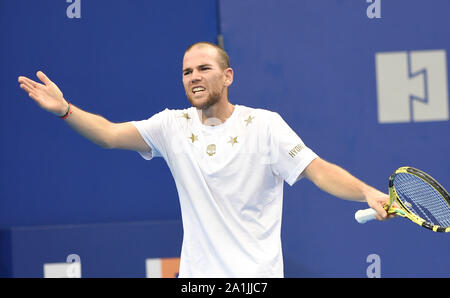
<point>122,60</point>
<point>311,61</point>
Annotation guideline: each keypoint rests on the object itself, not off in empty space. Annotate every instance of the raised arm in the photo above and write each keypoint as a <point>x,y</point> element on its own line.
<point>340,183</point>
<point>94,127</point>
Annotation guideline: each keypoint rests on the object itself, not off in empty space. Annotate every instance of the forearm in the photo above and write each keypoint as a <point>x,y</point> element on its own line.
<point>93,127</point>
<point>338,182</point>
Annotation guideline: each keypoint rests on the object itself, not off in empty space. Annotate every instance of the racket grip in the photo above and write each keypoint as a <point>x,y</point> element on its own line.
<point>365,215</point>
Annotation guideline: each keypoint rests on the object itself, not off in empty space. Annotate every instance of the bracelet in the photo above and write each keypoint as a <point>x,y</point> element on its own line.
<point>68,112</point>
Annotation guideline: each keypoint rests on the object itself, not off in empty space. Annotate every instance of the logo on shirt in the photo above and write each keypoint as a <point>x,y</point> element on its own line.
<point>211,149</point>
<point>296,150</point>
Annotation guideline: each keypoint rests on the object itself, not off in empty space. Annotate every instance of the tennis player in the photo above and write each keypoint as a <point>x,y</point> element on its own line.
<point>229,163</point>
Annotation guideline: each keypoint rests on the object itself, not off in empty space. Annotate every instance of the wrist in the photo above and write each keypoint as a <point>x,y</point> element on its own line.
<point>67,111</point>
<point>367,192</point>
<point>371,193</point>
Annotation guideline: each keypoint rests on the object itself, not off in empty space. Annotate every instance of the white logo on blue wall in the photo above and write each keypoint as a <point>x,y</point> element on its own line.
<point>374,269</point>
<point>374,9</point>
<point>74,9</point>
<point>412,86</point>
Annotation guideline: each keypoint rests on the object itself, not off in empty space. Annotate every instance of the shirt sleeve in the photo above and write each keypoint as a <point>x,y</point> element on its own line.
<point>152,131</point>
<point>288,154</point>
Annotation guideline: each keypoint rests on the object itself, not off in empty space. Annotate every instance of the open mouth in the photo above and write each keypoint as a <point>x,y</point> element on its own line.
<point>198,89</point>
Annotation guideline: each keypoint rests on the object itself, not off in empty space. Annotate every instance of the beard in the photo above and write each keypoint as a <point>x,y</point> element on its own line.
<point>212,99</point>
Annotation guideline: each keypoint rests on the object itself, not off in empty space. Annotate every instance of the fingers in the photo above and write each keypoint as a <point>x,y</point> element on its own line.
<point>395,205</point>
<point>29,86</point>
<point>35,84</point>
<point>43,77</point>
<point>28,90</point>
<point>30,83</point>
<point>381,213</point>
<point>379,201</point>
<point>392,215</point>
<point>32,87</point>
<point>23,80</point>
<point>388,216</point>
<point>385,215</point>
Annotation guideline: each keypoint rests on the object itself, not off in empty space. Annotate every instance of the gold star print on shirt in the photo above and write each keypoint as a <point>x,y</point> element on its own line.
<point>233,140</point>
<point>193,138</point>
<point>249,120</point>
<point>186,116</point>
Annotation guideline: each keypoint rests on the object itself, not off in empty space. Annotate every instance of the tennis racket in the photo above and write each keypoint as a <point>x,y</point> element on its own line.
<point>419,197</point>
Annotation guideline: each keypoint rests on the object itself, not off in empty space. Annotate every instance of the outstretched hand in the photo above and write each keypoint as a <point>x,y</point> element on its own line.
<point>47,95</point>
<point>378,200</point>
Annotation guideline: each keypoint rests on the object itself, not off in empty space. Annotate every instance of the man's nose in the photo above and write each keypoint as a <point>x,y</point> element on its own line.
<point>195,76</point>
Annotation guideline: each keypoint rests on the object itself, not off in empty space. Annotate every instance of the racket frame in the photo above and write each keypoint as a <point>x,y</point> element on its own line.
<point>404,211</point>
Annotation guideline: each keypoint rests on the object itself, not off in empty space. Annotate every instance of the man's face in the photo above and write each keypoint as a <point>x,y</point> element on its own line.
<point>205,82</point>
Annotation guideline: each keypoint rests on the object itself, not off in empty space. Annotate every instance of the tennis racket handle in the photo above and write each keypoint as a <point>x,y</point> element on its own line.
<point>365,215</point>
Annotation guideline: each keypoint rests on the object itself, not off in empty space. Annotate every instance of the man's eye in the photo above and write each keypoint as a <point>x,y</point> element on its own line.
<point>187,72</point>
<point>205,68</point>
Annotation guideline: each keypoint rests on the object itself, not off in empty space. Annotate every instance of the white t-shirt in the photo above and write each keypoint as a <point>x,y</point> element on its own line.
<point>229,179</point>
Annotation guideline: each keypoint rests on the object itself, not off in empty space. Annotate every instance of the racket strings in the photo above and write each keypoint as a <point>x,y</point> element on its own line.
<point>422,199</point>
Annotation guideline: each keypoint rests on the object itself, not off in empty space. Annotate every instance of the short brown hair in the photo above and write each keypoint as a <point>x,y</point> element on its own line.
<point>224,60</point>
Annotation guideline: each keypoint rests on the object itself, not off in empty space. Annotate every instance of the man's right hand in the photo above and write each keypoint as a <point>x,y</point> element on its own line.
<point>93,127</point>
<point>47,95</point>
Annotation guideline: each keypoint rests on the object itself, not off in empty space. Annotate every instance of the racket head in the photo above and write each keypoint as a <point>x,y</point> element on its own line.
<point>420,198</point>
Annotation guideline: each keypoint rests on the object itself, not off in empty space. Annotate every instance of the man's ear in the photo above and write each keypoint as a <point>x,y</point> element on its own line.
<point>228,76</point>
